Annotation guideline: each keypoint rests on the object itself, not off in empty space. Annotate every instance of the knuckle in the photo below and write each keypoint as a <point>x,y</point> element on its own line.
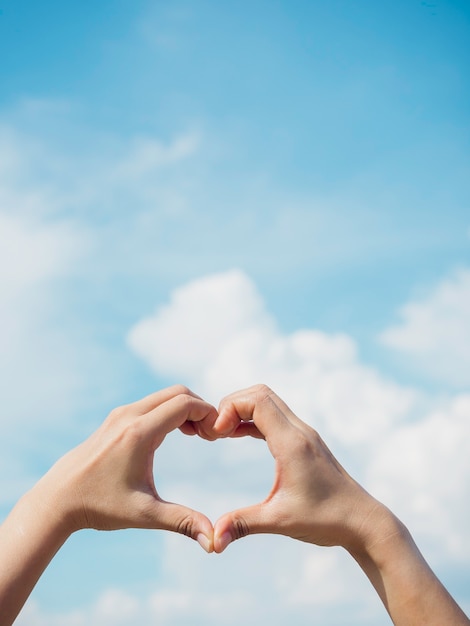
<point>123,425</point>
<point>301,445</point>
<point>127,434</point>
<point>117,413</point>
<point>263,392</point>
<point>133,431</point>
<point>185,526</point>
<point>240,528</point>
<point>181,390</point>
<point>184,402</point>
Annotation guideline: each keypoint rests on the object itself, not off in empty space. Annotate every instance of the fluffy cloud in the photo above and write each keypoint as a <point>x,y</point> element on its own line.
<point>422,470</point>
<point>170,607</point>
<point>33,255</point>
<point>39,251</point>
<point>38,366</point>
<point>112,608</point>
<point>216,335</point>
<point>434,330</point>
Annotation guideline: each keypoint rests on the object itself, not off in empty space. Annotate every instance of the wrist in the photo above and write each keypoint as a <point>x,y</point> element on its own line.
<point>376,530</point>
<point>410,591</point>
<point>45,515</point>
<point>47,505</point>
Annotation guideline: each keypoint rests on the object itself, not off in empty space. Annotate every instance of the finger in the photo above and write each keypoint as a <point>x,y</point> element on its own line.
<point>186,521</point>
<point>188,428</point>
<point>174,413</point>
<point>242,522</point>
<point>241,429</point>
<point>272,417</point>
<point>227,421</point>
<point>153,400</point>
<point>246,429</point>
<point>198,428</point>
<point>205,428</point>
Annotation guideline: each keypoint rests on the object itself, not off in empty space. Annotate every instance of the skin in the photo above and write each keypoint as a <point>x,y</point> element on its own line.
<point>107,483</point>
<point>314,499</point>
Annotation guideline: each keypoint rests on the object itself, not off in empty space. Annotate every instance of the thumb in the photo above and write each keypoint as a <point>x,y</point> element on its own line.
<point>186,521</point>
<point>240,523</point>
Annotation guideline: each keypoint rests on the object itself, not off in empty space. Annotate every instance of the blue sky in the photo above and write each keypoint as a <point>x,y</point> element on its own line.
<point>307,160</point>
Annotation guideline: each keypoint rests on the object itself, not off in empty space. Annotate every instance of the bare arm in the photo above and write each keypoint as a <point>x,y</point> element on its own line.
<point>105,483</point>
<point>409,589</point>
<point>314,499</point>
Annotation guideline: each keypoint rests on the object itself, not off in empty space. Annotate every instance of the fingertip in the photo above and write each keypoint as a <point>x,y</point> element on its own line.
<point>220,543</point>
<point>225,423</point>
<point>247,429</point>
<point>206,543</point>
<point>186,521</point>
<point>206,529</point>
<point>223,535</point>
<point>222,429</point>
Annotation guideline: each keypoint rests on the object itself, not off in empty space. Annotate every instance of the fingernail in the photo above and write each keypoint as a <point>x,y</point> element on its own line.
<point>204,542</point>
<point>220,428</point>
<point>224,540</point>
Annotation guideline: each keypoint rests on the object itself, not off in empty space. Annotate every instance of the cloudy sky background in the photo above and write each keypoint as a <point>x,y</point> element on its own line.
<point>221,194</point>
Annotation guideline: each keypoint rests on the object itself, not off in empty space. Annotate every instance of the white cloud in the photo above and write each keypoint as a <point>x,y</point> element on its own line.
<point>116,607</point>
<point>435,330</point>
<point>38,361</point>
<point>216,335</point>
<point>39,252</point>
<point>33,255</point>
<point>112,608</point>
<point>422,470</point>
<point>33,251</point>
<point>186,336</point>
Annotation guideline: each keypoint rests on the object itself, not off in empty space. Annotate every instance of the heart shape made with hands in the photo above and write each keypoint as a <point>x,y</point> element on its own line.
<point>311,497</point>
<point>255,413</point>
<point>311,494</point>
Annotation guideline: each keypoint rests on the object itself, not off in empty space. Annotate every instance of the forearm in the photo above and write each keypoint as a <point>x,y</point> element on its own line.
<point>410,591</point>
<point>29,538</point>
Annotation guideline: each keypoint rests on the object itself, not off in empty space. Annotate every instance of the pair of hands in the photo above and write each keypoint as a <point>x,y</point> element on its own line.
<point>107,482</point>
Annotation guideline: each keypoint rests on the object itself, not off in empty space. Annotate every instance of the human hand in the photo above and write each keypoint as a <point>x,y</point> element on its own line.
<point>107,482</point>
<point>313,498</point>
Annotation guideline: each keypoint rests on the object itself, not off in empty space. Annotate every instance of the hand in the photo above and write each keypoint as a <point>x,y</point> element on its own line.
<point>313,498</point>
<point>107,482</point>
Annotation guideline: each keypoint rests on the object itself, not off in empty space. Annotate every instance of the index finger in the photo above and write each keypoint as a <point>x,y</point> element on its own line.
<point>174,412</point>
<point>153,400</point>
<point>258,404</point>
